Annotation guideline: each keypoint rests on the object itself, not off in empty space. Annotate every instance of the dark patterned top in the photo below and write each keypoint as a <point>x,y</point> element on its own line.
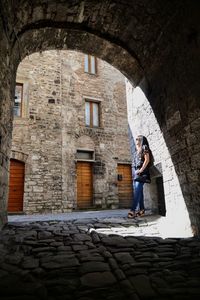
<point>139,157</point>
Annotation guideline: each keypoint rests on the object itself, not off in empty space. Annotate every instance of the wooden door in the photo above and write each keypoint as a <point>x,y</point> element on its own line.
<point>84,185</point>
<point>16,186</point>
<point>125,187</point>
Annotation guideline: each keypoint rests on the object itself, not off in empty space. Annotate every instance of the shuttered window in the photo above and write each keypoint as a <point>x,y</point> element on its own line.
<point>92,114</point>
<point>95,114</point>
<point>18,100</point>
<point>90,65</point>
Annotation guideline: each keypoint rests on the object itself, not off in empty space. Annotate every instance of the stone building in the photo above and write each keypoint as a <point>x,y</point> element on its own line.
<point>70,140</point>
<point>75,121</point>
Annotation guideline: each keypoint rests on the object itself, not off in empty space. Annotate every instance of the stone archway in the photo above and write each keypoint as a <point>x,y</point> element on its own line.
<point>157,40</point>
<point>18,155</point>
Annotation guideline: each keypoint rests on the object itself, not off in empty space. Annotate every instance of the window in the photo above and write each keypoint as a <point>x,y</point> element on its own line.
<point>91,114</point>
<point>90,64</point>
<point>85,155</point>
<point>18,100</point>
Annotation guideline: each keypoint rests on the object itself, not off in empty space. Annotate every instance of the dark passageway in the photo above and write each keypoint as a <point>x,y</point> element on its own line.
<point>156,40</point>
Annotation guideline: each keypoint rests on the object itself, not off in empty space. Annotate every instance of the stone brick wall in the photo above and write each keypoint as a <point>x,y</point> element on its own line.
<point>52,128</point>
<point>7,78</point>
<point>142,121</point>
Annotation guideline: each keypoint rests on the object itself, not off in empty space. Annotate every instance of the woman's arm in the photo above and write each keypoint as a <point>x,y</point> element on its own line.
<point>145,163</point>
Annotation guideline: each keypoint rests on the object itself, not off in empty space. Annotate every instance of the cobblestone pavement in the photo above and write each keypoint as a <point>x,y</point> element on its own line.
<point>96,258</point>
<point>75,215</point>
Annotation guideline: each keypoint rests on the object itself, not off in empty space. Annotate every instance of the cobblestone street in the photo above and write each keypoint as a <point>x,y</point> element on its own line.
<point>96,258</point>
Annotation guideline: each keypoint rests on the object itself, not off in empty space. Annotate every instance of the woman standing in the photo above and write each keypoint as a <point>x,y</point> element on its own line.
<point>142,162</point>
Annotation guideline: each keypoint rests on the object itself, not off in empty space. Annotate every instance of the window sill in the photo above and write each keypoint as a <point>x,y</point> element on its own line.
<point>82,159</point>
<point>94,128</point>
<point>91,74</point>
<point>15,118</point>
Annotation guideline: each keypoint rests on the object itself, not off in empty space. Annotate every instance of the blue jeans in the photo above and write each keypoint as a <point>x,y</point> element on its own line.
<point>138,196</point>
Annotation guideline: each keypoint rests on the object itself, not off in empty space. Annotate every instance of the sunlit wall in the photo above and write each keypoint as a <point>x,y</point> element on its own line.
<point>141,119</point>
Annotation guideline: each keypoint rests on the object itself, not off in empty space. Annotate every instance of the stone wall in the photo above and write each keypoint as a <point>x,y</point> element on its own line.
<point>7,78</point>
<point>52,128</point>
<point>155,39</point>
<point>142,121</point>
<point>174,97</point>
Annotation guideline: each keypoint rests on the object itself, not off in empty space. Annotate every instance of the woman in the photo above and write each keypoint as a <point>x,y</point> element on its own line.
<point>143,159</point>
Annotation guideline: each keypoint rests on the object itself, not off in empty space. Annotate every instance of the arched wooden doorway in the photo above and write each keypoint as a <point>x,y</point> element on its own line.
<point>16,186</point>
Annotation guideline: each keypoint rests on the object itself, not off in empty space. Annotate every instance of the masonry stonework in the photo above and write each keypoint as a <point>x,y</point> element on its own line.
<point>52,128</point>
<point>142,121</point>
<point>158,40</point>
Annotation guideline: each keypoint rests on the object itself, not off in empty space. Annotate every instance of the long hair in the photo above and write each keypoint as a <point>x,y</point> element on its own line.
<point>144,141</point>
<point>145,144</point>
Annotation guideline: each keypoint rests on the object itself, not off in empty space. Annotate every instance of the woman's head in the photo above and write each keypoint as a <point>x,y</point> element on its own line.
<point>141,141</point>
<point>142,145</point>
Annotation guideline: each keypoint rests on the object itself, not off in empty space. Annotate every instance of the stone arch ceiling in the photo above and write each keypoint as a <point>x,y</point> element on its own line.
<point>86,25</point>
<point>157,39</point>
<point>72,39</point>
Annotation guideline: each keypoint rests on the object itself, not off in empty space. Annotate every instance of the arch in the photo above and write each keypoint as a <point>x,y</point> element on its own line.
<point>157,40</point>
<point>88,133</point>
<point>18,155</point>
<point>85,142</point>
<point>79,40</point>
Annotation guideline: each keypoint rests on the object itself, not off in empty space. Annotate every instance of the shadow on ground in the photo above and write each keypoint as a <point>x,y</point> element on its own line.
<point>92,259</point>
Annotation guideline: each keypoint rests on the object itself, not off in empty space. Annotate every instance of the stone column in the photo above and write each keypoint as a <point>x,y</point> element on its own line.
<point>174,97</point>
<point>6,92</point>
